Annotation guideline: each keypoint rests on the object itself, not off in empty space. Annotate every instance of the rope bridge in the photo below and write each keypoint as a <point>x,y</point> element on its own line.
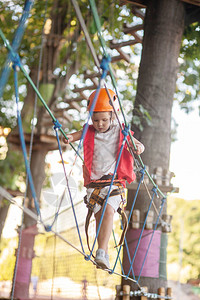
<point>104,67</point>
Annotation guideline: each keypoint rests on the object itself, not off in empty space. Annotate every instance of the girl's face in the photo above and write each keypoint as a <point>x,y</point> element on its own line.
<point>101,120</point>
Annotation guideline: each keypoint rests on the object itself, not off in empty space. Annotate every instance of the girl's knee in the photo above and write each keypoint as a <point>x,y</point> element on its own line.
<point>109,210</point>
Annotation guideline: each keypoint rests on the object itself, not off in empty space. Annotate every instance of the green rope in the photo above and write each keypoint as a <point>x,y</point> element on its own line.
<point>102,42</point>
<point>45,105</point>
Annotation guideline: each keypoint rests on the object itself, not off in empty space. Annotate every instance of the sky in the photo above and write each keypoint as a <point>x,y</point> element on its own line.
<point>185,152</point>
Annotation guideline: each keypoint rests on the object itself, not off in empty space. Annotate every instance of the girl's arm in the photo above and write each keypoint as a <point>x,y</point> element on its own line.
<point>140,147</point>
<point>73,137</point>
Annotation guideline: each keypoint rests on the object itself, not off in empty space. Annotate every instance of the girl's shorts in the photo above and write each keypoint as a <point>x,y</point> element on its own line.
<point>114,201</point>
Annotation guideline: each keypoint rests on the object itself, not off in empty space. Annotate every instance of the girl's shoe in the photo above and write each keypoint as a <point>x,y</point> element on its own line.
<point>101,259</point>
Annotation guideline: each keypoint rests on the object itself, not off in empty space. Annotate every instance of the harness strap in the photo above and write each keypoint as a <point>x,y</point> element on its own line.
<point>124,224</point>
<point>95,198</point>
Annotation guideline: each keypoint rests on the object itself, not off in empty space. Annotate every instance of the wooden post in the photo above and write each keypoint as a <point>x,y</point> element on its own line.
<point>158,175</point>
<point>161,292</point>
<point>126,292</point>
<point>118,290</point>
<point>149,222</point>
<point>135,219</point>
<point>166,177</point>
<point>167,226</point>
<point>169,292</point>
<point>145,289</point>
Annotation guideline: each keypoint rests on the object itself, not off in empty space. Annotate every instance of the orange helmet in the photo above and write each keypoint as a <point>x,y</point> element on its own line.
<point>103,102</point>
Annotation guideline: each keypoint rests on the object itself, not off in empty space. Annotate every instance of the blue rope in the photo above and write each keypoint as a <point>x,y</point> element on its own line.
<point>129,258</point>
<point>142,171</point>
<point>105,65</point>
<point>156,224</point>
<point>57,126</point>
<point>140,237</point>
<point>111,272</point>
<point>109,191</point>
<point>15,44</point>
<point>23,144</point>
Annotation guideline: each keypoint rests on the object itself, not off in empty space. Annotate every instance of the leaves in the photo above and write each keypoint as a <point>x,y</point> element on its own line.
<point>185,237</point>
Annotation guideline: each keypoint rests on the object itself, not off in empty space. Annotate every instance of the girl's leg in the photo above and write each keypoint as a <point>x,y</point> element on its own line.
<point>106,227</point>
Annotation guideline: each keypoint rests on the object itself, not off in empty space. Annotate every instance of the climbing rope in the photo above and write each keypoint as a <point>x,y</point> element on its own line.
<point>103,44</point>
<point>105,66</point>
<point>15,44</point>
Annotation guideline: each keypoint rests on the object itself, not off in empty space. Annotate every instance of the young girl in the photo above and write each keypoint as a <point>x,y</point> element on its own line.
<point>101,147</point>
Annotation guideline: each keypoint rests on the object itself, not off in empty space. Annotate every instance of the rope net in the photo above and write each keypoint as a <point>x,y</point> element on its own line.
<point>73,218</point>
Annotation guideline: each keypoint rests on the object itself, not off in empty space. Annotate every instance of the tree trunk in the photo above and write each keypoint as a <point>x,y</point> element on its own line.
<point>163,30</point>
<point>26,252</point>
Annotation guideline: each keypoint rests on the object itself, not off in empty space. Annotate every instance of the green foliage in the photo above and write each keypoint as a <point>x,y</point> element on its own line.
<point>13,170</point>
<point>185,231</point>
<point>191,41</point>
<point>7,258</point>
<point>188,91</point>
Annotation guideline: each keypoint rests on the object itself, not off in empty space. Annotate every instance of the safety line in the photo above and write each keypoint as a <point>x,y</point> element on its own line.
<point>18,63</point>
<point>87,36</point>
<point>91,47</point>
<point>23,144</point>
<point>98,26</point>
<point>56,127</point>
<point>15,44</point>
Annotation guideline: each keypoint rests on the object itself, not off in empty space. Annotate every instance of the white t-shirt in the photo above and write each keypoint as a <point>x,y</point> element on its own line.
<point>105,152</point>
<point>104,160</point>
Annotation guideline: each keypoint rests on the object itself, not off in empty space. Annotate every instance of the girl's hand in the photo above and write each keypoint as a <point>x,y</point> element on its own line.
<point>70,139</point>
<point>139,150</point>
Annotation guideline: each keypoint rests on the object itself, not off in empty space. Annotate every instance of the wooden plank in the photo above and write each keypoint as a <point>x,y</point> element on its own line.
<point>132,29</point>
<point>95,81</point>
<point>126,292</point>
<point>116,58</point>
<point>149,223</point>
<point>89,74</point>
<point>164,189</point>
<point>124,55</point>
<point>75,105</point>
<point>115,45</point>
<point>169,291</point>
<point>145,289</point>
<point>118,290</point>
<point>194,2</point>
<point>15,193</point>
<point>142,3</point>
<point>135,219</point>
<point>139,3</point>
<point>138,12</point>
<point>69,100</point>
<point>161,292</point>
<point>85,88</point>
